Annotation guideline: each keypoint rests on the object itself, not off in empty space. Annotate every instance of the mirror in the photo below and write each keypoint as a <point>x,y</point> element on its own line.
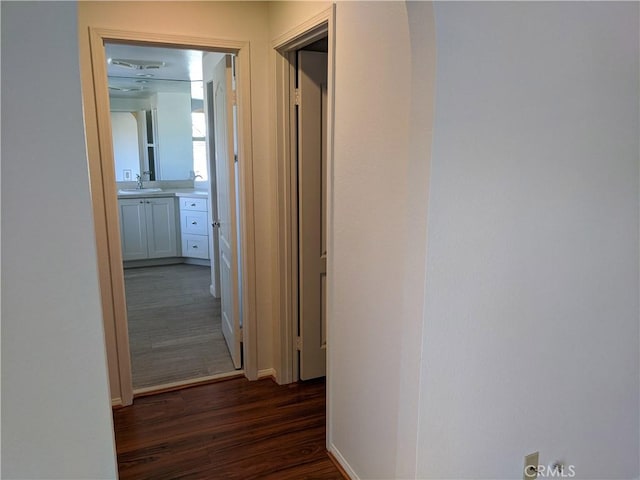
<point>155,97</point>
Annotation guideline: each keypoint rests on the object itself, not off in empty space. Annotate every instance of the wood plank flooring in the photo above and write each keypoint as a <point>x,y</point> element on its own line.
<point>234,429</point>
<point>175,330</point>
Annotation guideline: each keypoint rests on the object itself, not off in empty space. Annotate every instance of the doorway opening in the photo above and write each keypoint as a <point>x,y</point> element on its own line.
<point>161,216</point>
<point>310,100</point>
<point>304,77</point>
<point>162,119</point>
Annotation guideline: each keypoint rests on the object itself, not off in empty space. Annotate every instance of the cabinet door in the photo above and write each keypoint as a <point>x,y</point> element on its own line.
<point>161,227</point>
<point>133,229</point>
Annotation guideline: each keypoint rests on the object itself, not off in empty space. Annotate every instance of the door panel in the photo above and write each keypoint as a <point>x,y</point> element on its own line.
<point>133,229</point>
<point>207,66</point>
<point>161,225</point>
<point>312,181</point>
<point>226,206</point>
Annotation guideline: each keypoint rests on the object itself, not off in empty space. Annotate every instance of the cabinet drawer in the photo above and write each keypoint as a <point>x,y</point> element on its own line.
<point>194,222</point>
<point>195,246</point>
<point>199,204</point>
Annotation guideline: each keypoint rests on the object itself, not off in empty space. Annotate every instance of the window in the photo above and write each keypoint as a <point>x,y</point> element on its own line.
<point>199,132</point>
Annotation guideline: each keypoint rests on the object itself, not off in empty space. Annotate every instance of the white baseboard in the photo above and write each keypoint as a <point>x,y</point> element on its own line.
<point>267,373</point>
<point>343,463</point>
<point>116,402</point>
<point>197,261</point>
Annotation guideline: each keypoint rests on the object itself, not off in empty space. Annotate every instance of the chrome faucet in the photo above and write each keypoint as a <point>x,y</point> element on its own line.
<point>139,179</point>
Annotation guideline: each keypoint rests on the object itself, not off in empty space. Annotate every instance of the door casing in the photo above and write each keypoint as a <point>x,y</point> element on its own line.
<point>104,196</point>
<point>286,312</point>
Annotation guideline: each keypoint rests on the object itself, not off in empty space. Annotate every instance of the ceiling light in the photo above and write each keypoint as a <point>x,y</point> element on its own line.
<point>126,89</point>
<point>136,64</point>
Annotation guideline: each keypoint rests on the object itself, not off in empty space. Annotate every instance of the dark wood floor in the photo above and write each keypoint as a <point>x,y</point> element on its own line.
<point>234,429</point>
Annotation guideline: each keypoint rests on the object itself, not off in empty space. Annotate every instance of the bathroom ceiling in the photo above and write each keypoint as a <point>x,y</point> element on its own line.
<point>181,67</point>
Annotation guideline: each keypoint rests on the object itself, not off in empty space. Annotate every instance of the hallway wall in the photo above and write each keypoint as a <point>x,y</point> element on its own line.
<point>383,119</point>
<point>531,336</point>
<point>56,414</point>
<point>526,333</point>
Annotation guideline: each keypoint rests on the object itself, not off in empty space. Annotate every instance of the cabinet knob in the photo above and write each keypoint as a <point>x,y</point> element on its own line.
<point>193,204</point>
<point>141,201</point>
<point>195,246</point>
<point>194,223</point>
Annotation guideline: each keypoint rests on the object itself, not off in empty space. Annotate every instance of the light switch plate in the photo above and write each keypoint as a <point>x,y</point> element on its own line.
<point>530,471</point>
<point>126,174</point>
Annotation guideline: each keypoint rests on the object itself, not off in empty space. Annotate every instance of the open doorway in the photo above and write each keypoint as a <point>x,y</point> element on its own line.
<point>310,100</point>
<point>176,200</point>
<point>304,79</point>
<point>192,214</point>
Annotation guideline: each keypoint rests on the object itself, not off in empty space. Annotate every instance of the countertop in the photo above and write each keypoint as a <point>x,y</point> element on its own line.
<point>166,192</point>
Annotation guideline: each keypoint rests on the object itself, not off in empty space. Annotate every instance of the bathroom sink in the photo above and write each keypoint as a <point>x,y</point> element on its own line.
<point>133,191</point>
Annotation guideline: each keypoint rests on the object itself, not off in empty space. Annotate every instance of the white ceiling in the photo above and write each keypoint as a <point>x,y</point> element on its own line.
<point>181,68</point>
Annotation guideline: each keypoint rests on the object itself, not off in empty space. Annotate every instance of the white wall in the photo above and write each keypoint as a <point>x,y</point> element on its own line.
<point>529,325</point>
<point>129,104</point>
<point>285,16</point>
<point>531,328</point>
<point>126,146</point>
<point>56,416</point>
<point>382,144</point>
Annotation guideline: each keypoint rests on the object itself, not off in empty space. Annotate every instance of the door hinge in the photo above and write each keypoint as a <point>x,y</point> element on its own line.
<point>234,97</point>
<point>296,96</point>
<point>298,343</point>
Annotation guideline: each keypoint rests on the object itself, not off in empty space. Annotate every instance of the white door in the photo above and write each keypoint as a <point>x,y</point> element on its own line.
<point>226,205</point>
<point>214,256</point>
<point>312,214</point>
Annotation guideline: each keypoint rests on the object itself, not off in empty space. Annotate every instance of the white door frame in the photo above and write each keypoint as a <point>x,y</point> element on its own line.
<point>286,318</point>
<point>101,171</point>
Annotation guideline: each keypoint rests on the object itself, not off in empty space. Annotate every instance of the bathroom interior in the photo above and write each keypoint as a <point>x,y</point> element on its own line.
<point>167,208</point>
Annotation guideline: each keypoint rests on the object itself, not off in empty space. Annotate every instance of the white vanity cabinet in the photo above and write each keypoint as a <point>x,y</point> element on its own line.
<point>148,228</point>
<point>194,229</point>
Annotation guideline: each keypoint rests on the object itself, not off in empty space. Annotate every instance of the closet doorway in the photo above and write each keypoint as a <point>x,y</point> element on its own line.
<point>304,81</point>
